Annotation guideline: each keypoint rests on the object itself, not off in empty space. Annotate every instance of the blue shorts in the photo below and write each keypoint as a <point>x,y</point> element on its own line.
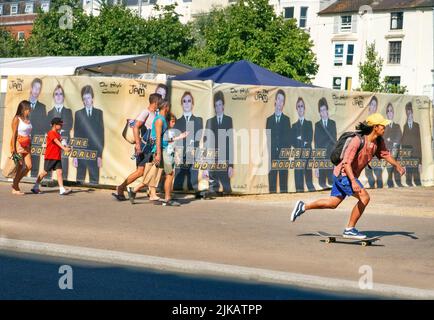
<point>342,187</point>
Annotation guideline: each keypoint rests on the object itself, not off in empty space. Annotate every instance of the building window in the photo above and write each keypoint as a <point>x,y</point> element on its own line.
<point>14,9</point>
<point>350,54</point>
<point>396,20</point>
<point>303,17</point>
<point>288,12</point>
<point>20,36</point>
<point>337,83</point>
<point>395,52</point>
<point>45,6</point>
<point>348,83</point>
<point>339,54</point>
<point>1,9</point>
<point>29,8</point>
<point>393,80</point>
<point>345,24</point>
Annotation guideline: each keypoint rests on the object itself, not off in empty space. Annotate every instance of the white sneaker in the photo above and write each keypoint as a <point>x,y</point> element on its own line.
<point>66,192</point>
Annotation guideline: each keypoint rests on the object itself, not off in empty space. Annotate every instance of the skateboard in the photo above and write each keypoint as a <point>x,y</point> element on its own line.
<point>330,238</point>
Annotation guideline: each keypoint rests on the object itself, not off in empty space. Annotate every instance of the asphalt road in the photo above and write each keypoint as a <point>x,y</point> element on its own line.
<point>35,277</point>
<point>251,231</point>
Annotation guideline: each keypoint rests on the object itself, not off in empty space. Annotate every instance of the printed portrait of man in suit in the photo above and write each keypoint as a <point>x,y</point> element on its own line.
<point>194,126</point>
<point>325,138</point>
<point>372,108</point>
<point>280,131</point>
<point>60,110</point>
<point>302,133</point>
<point>38,119</point>
<point>392,138</point>
<point>162,90</point>
<point>411,141</point>
<point>219,136</point>
<point>89,124</point>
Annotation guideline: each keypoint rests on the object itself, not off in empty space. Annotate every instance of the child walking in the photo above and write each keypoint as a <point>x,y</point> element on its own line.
<point>53,157</point>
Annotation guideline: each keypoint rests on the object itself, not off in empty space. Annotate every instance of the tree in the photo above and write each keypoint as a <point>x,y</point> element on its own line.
<point>9,47</point>
<point>370,70</point>
<point>166,35</point>
<point>116,30</point>
<point>58,32</point>
<point>251,30</point>
<point>388,87</point>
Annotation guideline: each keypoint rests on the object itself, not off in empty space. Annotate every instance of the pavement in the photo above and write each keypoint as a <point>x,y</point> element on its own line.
<point>249,234</point>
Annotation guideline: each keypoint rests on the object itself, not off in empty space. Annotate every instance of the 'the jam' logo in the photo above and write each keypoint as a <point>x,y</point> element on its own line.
<point>262,95</point>
<point>358,101</point>
<point>16,84</point>
<point>140,89</point>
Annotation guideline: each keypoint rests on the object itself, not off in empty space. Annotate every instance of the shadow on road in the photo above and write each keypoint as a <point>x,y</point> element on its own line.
<point>25,276</point>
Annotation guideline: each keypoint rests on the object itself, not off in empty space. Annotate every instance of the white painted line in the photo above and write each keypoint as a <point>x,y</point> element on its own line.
<point>208,268</point>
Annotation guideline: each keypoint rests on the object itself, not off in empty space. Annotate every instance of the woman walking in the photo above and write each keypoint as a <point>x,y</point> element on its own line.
<point>21,143</point>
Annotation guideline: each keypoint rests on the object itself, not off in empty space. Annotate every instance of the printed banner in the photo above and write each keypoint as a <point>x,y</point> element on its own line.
<point>241,139</point>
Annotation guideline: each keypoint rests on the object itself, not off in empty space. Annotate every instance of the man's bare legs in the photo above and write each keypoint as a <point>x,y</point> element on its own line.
<point>130,179</point>
<point>333,203</point>
<point>325,203</point>
<point>359,208</point>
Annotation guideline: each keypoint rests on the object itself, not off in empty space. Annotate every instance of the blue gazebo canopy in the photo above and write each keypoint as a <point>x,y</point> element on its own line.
<point>241,72</point>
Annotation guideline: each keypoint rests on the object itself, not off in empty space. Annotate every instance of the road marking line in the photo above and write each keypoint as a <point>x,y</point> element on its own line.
<point>208,268</point>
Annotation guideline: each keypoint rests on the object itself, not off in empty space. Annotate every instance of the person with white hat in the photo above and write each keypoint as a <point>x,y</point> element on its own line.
<point>357,155</point>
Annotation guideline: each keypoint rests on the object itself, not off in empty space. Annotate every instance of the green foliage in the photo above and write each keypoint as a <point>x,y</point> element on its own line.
<point>247,30</point>
<point>369,74</point>
<point>387,87</point>
<point>9,47</point>
<point>251,30</point>
<point>52,36</point>
<point>116,30</point>
<point>370,70</point>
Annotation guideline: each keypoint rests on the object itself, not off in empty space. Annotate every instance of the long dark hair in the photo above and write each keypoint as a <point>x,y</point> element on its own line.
<point>364,129</point>
<point>22,106</point>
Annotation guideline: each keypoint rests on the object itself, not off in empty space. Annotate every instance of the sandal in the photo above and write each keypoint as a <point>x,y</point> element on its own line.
<point>131,195</point>
<point>17,192</point>
<point>36,191</point>
<point>119,197</point>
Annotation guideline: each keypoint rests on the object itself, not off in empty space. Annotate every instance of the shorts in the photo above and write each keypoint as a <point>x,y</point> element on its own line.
<point>145,156</point>
<point>342,187</point>
<point>50,165</point>
<point>151,175</point>
<point>168,162</point>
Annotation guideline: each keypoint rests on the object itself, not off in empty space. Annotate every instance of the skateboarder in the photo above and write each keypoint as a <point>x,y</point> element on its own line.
<point>346,173</point>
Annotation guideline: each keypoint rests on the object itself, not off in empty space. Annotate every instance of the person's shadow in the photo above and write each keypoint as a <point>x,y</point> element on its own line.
<point>375,233</point>
<point>378,233</point>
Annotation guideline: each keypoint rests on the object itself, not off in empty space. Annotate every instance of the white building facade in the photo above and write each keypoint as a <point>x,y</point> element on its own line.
<point>187,9</point>
<point>403,36</point>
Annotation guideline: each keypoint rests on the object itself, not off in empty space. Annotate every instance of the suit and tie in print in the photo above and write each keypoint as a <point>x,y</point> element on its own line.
<point>325,138</point>
<point>280,127</point>
<point>66,115</point>
<point>89,124</point>
<point>221,128</point>
<point>302,133</point>
<point>190,145</point>
<point>411,141</point>
<point>392,138</point>
<point>41,125</point>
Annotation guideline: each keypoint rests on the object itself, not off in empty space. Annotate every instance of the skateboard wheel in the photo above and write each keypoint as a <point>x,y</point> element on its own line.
<point>365,243</point>
<point>328,240</point>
